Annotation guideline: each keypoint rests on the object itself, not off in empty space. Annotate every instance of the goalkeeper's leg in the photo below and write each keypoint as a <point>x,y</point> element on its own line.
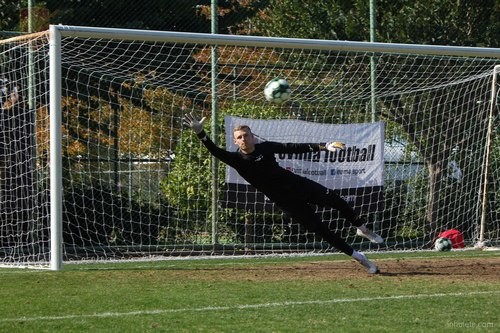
<point>306,216</point>
<point>323,196</point>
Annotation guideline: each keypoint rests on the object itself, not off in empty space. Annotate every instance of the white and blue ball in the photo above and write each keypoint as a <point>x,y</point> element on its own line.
<point>277,91</point>
<point>443,244</point>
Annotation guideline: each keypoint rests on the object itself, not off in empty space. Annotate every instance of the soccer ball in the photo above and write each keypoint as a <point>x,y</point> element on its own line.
<point>277,91</point>
<point>443,244</point>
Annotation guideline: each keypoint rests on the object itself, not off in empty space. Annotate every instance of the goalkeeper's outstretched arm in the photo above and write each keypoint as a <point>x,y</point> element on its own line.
<point>197,127</point>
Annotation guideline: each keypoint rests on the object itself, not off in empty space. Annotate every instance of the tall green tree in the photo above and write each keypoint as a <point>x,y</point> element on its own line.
<point>445,22</point>
<point>441,22</point>
<point>321,19</point>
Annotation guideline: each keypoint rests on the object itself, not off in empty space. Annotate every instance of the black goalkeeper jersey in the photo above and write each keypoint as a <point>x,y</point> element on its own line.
<point>262,171</point>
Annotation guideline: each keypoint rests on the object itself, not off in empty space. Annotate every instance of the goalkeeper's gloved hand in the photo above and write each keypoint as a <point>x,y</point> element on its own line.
<point>191,122</point>
<point>335,145</point>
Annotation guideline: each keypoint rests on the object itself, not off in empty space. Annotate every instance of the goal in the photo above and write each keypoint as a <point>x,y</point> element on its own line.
<point>95,163</point>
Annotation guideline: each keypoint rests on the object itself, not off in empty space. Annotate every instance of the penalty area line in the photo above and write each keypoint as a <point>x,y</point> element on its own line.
<point>244,306</point>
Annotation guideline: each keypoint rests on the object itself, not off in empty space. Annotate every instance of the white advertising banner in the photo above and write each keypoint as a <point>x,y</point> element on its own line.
<point>357,169</point>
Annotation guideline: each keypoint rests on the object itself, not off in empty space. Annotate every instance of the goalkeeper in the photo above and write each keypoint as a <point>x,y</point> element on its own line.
<point>256,163</point>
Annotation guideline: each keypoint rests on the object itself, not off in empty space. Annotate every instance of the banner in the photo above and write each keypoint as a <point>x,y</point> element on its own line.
<point>357,172</point>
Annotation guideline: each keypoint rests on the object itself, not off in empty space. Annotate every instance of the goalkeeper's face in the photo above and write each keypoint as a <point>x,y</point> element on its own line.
<point>244,139</point>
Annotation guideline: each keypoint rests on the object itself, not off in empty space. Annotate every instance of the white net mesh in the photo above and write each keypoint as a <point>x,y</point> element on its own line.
<point>24,137</point>
<point>136,183</point>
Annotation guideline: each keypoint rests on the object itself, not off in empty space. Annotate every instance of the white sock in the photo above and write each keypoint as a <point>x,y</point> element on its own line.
<point>358,255</point>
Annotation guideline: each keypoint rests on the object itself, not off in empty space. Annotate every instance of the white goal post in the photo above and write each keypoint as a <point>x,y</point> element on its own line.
<point>97,166</point>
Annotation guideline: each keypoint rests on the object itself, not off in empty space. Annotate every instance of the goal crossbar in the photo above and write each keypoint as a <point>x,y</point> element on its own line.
<point>274,42</point>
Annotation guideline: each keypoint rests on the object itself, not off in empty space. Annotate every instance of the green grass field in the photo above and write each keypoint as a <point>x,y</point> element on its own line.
<point>417,292</point>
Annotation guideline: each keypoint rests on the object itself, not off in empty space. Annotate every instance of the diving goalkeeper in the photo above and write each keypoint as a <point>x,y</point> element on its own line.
<point>292,193</point>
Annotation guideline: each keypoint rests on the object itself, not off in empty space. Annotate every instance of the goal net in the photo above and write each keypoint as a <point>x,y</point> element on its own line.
<point>95,162</point>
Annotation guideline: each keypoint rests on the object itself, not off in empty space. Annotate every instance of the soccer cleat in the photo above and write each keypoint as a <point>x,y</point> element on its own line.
<point>371,268</point>
<point>368,234</point>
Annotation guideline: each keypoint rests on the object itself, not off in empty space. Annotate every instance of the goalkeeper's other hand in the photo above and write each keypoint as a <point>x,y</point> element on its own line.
<point>335,145</point>
<point>191,122</point>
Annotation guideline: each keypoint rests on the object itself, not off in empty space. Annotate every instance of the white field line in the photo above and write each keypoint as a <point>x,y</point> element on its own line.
<point>245,306</point>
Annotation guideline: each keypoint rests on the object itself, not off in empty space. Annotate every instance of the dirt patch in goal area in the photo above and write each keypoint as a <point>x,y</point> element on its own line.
<point>462,269</point>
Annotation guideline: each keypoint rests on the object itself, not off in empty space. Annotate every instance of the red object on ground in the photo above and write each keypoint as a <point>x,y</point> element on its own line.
<point>456,237</point>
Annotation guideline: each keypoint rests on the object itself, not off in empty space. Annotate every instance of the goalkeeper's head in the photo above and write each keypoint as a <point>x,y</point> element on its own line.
<point>244,139</point>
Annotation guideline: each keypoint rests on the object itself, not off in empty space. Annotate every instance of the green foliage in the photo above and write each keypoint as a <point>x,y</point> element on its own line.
<point>411,209</point>
<point>188,183</point>
<point>494,184</point>
<point>322,19</point>
<point>444,22</point>
<point>87,221</point>
<point>432,22</point>
<point>9,15</point>
<point>410,230</point>
<point>188,186</point>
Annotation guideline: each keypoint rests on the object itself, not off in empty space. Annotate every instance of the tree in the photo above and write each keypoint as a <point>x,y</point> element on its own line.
<point>9,15</point>
<point>444,22</point>
<point>322,19</point>
<point>425,21</point>
<point>112,96</point>
<point>168,15</point>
